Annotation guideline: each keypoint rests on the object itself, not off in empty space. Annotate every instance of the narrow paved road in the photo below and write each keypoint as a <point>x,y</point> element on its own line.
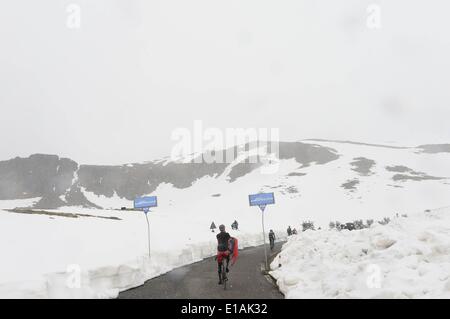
<point>200,280</point>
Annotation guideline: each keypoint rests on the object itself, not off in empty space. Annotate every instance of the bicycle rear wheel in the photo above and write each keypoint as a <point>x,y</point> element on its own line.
<point>224,277</point>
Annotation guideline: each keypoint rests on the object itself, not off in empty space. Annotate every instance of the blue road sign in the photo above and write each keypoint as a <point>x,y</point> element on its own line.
<point>146,202</point>
<point>261,199</point>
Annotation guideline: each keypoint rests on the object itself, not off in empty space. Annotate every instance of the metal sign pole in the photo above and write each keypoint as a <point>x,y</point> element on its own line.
<point>148,234</point>
<point>262,200</point>
<point>264,237</point>
<point>145,203</point>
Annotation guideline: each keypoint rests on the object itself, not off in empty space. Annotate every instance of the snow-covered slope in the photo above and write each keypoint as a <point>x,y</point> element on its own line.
<point>386,180</point>
<point>321,181</point>
<point>53,254</point>
<point>408,258</point>
<point>310,177</point>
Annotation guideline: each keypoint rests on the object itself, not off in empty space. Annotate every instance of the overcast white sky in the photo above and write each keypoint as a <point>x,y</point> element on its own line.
<point>114,90</point>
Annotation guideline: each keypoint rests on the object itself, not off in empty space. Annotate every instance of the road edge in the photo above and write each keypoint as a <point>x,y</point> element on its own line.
<point>266,273</point>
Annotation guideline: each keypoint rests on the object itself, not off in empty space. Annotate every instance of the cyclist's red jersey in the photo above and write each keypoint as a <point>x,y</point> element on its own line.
<point>232,250</point>
<point>221,255</point>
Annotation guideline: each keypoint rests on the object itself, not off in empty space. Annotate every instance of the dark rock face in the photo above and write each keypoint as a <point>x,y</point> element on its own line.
<point>59,181</point>
<point>292,190</point>
<point>36,176</point>
<point>406,173</point>
<point>242,169</point>
<point>363,166</point>
<point>75,197</point>
<point>399,169</point>
<point>303,153</point>
<point>138,179</point>
<point>357,143</point>
<point>435,148</point>
<point>50,201</point>
<point>296,174</point>
<point>307,154</point>
<point>419,177</point>
<point>351,185</point>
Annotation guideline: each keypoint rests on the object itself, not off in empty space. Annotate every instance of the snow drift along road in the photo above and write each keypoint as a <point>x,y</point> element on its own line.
<point>353,181</point>
<point>408,258</point>
<point>60,257</point>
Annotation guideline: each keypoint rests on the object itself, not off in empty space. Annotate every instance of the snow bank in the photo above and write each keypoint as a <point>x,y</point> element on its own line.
<point>42,254</point>
<point>87,257</point>
<point>108,281</point>
<point>408,258</point>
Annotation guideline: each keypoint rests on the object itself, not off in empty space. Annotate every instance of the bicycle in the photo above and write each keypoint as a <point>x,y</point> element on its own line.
<point>224,276</point>
<point>223,273</point>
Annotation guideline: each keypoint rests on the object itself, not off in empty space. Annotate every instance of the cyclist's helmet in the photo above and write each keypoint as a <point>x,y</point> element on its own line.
<point>222,227</point>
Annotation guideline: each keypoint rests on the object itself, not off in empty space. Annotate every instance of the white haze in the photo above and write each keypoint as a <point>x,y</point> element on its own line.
<point>114,90</point>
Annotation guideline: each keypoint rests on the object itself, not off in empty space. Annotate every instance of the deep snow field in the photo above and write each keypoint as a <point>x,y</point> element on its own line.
<point>42,255</point>
<point>408,258</point>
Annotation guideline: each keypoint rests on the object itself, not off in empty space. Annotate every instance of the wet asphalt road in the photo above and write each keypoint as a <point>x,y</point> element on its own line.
<point>200,280</point>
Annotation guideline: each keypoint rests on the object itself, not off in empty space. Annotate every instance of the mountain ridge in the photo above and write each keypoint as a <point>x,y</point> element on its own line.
<point>60,181</point>
<point>52,177</point>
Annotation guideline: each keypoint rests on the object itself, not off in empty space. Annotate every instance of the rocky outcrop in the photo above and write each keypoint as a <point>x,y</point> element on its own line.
<point>59,181</point>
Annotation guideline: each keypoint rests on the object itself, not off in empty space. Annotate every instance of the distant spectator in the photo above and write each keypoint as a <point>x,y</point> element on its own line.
<point>350,226</point>
<point>308,225</point>
<point>289,231</point>
<point>212,227</point>
<point>272,239</point>
<point>294,231</point>
<point>235,225</point>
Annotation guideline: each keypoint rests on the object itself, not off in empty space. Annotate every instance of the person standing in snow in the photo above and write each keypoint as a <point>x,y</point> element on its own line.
<point>289,231</point>
<point>271,239</point>
<point>294,231</point>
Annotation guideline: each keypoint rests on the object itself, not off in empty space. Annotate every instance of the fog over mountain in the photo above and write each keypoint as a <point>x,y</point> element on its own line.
<point>115,89</point>
<point>323,121</point>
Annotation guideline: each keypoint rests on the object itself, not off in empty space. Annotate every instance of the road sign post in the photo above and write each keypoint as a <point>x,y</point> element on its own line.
<point>262,200</point>
<point>263,208</point>
<point>145,203</point>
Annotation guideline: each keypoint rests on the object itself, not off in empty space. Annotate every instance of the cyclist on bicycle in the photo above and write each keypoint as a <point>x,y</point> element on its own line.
<point>222,250</point>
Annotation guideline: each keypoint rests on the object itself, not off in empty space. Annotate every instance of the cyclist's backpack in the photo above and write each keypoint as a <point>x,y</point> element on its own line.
<point>234,249</point>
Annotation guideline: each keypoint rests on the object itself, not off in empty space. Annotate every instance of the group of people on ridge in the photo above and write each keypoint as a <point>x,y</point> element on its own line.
<point>234,226</point>
<point>291,231</point>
